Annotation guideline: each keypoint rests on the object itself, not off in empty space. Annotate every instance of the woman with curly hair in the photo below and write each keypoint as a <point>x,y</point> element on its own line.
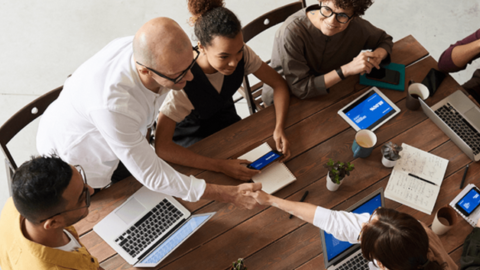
<point>389,239</point>
<point>315,47</point>
<point>205,105</point>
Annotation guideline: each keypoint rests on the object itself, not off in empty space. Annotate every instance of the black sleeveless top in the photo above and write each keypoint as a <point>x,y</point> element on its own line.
<point>213,111</point>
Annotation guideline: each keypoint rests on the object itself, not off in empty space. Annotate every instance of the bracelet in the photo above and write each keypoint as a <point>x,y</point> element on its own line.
<point>340,74</point>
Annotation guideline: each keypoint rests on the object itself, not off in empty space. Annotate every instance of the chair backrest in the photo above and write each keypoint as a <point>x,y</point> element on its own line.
<point>20,120</point>
<point>257,26</point>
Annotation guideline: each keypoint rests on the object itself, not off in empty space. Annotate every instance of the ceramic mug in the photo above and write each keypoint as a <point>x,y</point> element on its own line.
<point>363,143</point>
<point>445,218</point>
<point>414,92</point>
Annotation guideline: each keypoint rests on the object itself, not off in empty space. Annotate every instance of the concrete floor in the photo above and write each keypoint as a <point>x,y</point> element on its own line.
<point>44,41</point>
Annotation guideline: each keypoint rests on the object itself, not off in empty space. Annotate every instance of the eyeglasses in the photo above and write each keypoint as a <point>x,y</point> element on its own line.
<point>180,77</point>
<point>328,12</point>
<point>369,220</point>
<point>85,190</point>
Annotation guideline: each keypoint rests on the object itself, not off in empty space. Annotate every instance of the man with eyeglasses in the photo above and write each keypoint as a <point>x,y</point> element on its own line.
<point>101,117</point>
<point>36,231</point>
<point>323,44</point>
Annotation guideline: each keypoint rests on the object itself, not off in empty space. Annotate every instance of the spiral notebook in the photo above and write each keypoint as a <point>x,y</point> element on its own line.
<point>273,177</point>
<point>475,215</point>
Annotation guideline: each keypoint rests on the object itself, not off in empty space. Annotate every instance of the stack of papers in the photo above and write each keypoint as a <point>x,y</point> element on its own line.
<point>273,177</point>
<point>406,185</point>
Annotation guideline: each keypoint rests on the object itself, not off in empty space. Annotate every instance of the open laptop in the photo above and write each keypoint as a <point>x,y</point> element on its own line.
<point>459,118</point>
<point>148,227</point>
<point>340,255</point>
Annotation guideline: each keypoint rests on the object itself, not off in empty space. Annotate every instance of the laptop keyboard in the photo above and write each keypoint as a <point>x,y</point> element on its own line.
<point>460,126</point>
<point>148,228</point>
<point>355,263</point>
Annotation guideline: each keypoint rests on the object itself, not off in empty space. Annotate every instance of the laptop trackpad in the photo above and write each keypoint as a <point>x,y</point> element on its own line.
<point>130,211</point>
<point>473,116</point>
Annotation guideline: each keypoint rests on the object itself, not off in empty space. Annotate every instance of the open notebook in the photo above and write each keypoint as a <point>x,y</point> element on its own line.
<point>404,185</point>
<point>273,177</point>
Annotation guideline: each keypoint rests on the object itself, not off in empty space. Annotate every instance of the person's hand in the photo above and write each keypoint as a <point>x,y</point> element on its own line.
<point>235,168</point>
<point>241,197</point>
<point>364,62</point>
<point>282,143</point>
<point>261,197</point>
<point>478,223</point>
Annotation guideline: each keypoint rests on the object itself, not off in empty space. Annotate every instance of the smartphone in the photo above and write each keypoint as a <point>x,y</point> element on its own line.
<point>265,160</point>
<point>433,80</point>
<point>384,75</point>
<point>468,203</point>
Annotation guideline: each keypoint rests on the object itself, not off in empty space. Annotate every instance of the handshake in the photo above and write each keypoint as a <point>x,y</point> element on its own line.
<point>246,196</point>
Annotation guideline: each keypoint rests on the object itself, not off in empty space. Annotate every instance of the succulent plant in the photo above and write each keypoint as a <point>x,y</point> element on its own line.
<point>338,170</point>
<point>391,151</point>
<point>239,265</point>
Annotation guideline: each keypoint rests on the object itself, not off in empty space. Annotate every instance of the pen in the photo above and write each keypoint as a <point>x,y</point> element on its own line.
<point>419,178</point>
<point>301,200</point>
<point>464,174</point>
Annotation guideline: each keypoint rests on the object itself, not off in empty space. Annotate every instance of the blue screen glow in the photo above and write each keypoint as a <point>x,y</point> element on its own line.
<point>264,161</point>
<point>334,246</point>
<point>175,239</point>
<point>369,111</point>
<point>470,201</point>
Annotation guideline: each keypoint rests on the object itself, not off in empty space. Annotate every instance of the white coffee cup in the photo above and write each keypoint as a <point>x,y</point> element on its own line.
<point>445,218</point>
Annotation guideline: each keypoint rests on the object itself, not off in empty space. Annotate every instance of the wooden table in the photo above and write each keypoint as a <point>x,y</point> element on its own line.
<point>266,238</point>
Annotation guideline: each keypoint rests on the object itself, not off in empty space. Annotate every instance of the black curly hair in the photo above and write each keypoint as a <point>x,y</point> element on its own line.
<point>358,6</point>
<point>38,185</point>
<point>212,19</point>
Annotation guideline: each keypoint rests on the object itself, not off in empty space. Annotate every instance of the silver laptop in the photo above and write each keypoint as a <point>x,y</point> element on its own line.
<point>148,227</point>
<point>340,255</point>
<point>459,118</point>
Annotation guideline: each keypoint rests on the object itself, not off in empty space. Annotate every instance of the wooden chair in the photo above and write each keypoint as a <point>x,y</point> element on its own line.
<point>253,93</point>
<point>20,120</point>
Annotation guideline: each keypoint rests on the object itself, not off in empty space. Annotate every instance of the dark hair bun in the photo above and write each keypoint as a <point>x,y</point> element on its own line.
<point>198,7</point>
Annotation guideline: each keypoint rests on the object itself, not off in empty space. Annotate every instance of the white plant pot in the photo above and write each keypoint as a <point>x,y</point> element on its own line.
<point>388,163</point>
<point>331,185</point>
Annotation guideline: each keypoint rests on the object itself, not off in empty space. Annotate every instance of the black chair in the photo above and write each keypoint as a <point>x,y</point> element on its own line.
<point>20,120</point>
<point>254,93</point>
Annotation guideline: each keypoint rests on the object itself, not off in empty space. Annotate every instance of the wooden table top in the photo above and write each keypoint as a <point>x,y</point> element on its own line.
<point>266,237</point>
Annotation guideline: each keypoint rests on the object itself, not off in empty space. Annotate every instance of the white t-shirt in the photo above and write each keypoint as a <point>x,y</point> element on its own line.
<point>102,116</point>
<point>72,245</point>
<point>177,106</point>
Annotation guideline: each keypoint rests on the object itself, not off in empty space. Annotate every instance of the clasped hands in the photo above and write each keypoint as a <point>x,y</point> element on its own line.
<point>364,62</point>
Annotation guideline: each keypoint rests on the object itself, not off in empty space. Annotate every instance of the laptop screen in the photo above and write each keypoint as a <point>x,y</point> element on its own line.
<point>175,239</point>
<point>335,247</point>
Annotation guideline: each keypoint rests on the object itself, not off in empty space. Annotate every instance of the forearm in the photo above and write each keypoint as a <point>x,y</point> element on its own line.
<point>177,154</point>
<point>302,210</point>
<point>281,98</point>
<point>463,54</point>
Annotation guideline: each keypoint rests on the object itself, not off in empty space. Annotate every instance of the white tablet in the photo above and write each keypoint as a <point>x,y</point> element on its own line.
<point>369,111</point>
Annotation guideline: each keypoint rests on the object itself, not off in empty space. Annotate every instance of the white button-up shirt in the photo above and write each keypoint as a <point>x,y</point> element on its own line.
<point>102,116</point>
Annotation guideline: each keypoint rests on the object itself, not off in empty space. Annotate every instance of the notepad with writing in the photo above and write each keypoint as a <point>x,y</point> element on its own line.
<point>273,177</point>
<point>409,190</point>
<point>475,215</point>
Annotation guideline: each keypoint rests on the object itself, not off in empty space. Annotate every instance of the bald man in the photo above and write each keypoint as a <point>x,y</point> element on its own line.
<point>102,115</point>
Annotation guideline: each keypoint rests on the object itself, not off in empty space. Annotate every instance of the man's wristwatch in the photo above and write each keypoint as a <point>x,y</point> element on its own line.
<point>340,74</point>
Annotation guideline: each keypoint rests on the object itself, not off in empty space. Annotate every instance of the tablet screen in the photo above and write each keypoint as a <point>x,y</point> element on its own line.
<point>369,111</point>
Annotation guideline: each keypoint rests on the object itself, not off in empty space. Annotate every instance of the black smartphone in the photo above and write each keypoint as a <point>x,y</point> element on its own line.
<point>265,160</point>
<point>468,203</point>
<point>384,75</point>
<point>433,80</point>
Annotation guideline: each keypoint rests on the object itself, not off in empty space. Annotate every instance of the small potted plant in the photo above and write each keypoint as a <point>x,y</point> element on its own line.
<point>336,173</point>
<point>238,265</point>
<point>390,154</point>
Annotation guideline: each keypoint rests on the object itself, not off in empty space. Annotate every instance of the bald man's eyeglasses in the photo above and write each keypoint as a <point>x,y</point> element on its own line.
<point>180,77</point>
